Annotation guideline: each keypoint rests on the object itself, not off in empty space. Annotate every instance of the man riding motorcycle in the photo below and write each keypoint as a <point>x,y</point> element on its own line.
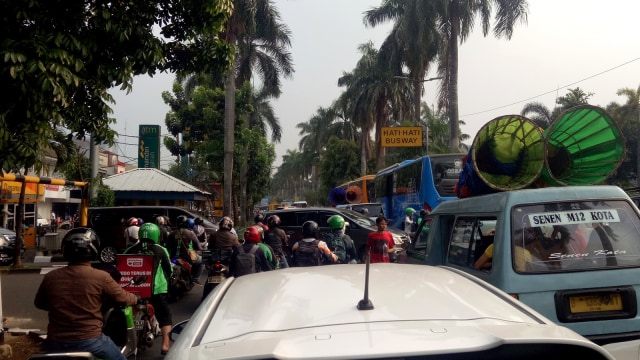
<point>221,244</point>
<point>73,297</point>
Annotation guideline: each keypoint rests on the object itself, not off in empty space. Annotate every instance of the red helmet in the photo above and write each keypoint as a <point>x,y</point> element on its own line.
<point>252,234</point>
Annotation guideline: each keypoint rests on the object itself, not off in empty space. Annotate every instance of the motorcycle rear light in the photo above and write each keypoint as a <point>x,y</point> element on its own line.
<point>217,266</point>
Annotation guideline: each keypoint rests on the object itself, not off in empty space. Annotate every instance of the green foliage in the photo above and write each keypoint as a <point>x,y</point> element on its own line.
<point>260,157</point>
<point>340,163</point>
<point>104,196</point>
<point>59,59</point>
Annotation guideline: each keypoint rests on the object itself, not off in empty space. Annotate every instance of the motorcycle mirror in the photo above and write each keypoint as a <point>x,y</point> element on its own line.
<point>177,329</point>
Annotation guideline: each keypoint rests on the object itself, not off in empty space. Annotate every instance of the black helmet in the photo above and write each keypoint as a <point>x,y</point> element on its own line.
<point>80,244</point>
<point>310,229</point>
<point>226,223</point>
<point>182,221</point>
<point>258,218</point>
<point>273,221</point>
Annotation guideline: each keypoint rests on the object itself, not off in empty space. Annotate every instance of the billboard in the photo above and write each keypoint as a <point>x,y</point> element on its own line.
<point>149,146</point>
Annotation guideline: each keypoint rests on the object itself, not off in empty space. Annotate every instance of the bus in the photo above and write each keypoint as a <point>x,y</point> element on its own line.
<point>365,183</point>
<point>421,183</point>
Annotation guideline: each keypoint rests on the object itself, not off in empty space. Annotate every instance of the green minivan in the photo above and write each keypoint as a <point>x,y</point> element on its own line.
<point>571,253</point>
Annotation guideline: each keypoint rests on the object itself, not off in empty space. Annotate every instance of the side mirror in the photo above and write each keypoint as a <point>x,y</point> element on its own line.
<point>176,330</point>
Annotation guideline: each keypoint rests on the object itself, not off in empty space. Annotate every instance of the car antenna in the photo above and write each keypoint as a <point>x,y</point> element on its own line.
<point>365,303</point>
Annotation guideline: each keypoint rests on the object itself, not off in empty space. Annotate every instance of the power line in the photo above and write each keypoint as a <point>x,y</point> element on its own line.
<point>554,90</point>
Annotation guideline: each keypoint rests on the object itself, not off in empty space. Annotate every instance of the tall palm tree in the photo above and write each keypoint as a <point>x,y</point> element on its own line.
<point>538,113</point>
<point>412,43</point>
<point>631,110</point>
<point>371,90</point>
<point>254,28</point>
<point>456,19</point>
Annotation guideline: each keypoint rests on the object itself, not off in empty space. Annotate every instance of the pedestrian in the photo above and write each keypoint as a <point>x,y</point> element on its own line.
<point>310,251</point>
<point>380,243</point>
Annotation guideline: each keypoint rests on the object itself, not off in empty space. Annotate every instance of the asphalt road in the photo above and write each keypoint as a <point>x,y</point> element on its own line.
<point>18,291</point>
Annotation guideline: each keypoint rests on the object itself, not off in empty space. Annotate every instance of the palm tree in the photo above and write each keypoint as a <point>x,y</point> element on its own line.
<point>401,49</point>
<point>457,19</point>
<point>538,113</point>
<point>631,110</point>
<point>253,25</point>
<point>371,91</point>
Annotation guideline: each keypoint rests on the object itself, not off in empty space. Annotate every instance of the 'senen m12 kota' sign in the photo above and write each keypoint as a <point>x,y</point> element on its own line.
<point>401,136</point>
<point>149,146</point>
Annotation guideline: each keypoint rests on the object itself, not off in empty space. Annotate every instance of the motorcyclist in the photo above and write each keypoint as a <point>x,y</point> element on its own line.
<point>131,232</point>
<point>221,244</point>
<point>251,239</point>
<point>73,297</point>
<point>346,252</point>
<point>275,237</point>
<point>165,230</point>
<point>310,251</point>
<point>180,241</point>
<point>199,230</point>
<point>149,236</point>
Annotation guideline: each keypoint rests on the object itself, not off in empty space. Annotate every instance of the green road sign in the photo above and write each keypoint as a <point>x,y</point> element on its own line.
<point>149,146</point>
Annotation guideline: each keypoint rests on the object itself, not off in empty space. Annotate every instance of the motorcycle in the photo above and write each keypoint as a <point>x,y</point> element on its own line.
<point>217,263</point>
<point>132,328</point>
<point>180,279</point>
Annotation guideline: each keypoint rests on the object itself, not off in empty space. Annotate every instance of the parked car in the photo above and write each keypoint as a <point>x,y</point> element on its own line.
<point>373,210</point>
<point>405,312</point>
<point>7,246</point>
<point>109,223</point>
<point>571,253</point>
<point>359,227</point>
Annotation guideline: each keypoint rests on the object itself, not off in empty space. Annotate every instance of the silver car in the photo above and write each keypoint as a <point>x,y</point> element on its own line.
<point>402,312</point>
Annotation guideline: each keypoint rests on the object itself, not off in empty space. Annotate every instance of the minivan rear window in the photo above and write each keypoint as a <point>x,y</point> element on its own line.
<point>575,236</point>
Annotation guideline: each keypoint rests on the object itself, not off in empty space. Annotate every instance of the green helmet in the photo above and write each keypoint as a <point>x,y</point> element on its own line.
<point>149,231</point>
<point>336,222</point>
<point>410,211</point>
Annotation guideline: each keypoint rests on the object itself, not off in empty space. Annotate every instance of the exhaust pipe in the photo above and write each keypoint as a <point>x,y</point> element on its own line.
<point>148,339</point>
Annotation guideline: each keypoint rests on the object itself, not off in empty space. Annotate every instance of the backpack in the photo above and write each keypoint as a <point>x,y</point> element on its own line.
<point>245,263</point>
<point>337,245</point>
<point>308,254</point>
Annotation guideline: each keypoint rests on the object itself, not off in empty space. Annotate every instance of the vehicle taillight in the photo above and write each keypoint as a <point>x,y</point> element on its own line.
<point>217,266</point>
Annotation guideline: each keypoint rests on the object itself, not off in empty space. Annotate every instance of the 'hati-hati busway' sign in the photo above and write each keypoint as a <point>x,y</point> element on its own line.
<point>403,136</point>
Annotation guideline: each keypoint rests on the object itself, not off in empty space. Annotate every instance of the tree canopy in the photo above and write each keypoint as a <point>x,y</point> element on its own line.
<point>60,58</point>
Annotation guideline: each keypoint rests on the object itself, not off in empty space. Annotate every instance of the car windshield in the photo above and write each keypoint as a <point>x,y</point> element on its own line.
<point>374,210</point>
<point>357,217</point>
<point>580,235</point>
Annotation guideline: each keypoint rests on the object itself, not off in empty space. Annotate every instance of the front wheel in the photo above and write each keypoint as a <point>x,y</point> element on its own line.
<point>108,255</point>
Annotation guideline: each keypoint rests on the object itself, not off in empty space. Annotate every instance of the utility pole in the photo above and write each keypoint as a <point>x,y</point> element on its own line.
<point>417,92</point>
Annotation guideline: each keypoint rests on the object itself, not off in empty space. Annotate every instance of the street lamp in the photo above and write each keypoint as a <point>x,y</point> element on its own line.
<point>416,104</point>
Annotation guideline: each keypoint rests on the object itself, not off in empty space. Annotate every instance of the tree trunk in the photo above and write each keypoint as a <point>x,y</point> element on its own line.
<point>363,152</point>
<point>454,126</point>
<point>229,133</point>
<point>244,206</point>
<point>19,222</point>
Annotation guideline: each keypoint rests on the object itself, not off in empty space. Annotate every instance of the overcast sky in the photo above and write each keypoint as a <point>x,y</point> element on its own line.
<point>589,44</point>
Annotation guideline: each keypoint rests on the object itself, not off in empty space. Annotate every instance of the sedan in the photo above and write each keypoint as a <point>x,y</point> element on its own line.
<point>7,246</point>
<point>363,311</point>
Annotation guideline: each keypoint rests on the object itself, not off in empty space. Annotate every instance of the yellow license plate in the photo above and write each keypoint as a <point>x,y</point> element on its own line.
<point>595,303</point>
<point>216,279</point>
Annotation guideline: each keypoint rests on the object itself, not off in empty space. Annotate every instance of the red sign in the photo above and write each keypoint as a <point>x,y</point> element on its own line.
<point>133,266</point>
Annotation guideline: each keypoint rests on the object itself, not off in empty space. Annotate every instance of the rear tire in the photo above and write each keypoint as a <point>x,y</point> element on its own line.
<point>108,254</point>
